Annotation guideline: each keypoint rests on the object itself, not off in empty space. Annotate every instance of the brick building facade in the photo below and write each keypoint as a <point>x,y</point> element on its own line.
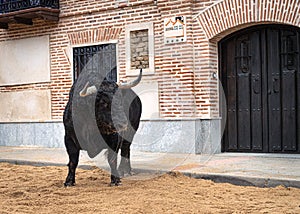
<point>181,91</point>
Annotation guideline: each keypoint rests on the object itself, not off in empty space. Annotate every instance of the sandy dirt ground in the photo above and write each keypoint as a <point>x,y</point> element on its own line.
<point>30,189</point>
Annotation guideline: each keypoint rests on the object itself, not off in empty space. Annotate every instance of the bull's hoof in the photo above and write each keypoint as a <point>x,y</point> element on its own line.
<point>69,184</point>
<point>112,184</point>
<point>131,173</point>
<point>122,174</point>
<point>115,181</point>
<point>125,172</point>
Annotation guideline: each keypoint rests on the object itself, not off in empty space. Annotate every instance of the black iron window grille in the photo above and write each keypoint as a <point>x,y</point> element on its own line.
<point>97,58</point>
<point>7,6</point>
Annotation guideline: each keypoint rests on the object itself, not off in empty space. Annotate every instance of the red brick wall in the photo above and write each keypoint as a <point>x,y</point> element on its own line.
<point>183,71</point>
<point>175,68</point>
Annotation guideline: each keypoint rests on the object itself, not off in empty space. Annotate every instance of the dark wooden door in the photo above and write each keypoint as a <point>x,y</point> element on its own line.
<point>261,80</point>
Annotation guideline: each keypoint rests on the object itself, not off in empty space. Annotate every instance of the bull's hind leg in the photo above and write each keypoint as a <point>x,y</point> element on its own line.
<point>73,153</point>
<point>112,159</point>
<point>125,165</point>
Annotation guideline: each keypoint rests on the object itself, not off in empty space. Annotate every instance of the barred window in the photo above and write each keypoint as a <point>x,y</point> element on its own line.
<point>99,58</point>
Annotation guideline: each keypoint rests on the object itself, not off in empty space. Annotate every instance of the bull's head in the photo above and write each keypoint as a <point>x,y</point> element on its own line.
<point>86,91</point>
<point>110,114</point>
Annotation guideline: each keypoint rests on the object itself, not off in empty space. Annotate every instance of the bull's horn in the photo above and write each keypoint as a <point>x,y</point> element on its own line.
<point>86,91</point>
<point>132,83</point>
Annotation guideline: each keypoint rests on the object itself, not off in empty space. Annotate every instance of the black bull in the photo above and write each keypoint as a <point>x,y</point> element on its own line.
<point>102,116</point>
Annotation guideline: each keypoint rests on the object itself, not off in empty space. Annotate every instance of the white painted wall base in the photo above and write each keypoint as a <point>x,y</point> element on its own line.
<point>170,136</point>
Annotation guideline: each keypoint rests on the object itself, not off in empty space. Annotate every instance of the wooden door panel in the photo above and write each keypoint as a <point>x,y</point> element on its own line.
<point>242,59</point>
<point>231,99</point>
<point>256,93</point>
<point>274,93</point>
<point>243,113</point>
<point>289,89</point>
<point>289,111</point>
<point>298,103</point>
<point>298,91</point>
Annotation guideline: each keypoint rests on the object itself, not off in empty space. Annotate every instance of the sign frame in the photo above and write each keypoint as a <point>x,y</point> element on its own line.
<point>175,29</point>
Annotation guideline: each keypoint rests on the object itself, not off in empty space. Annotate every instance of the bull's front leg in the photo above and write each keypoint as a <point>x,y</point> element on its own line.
<point>73,153</point>
<point>113,161</point>
<point>125,165</point>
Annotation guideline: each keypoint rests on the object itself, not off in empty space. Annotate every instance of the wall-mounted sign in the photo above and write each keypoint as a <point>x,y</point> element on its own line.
<point>121,2</point>
<point>175,29</point>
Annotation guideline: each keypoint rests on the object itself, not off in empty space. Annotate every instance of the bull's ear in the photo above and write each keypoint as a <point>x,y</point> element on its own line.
<point>132,83</point>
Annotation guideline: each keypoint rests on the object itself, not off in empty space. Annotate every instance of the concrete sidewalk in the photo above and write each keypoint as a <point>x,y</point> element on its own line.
<point>263,170</point>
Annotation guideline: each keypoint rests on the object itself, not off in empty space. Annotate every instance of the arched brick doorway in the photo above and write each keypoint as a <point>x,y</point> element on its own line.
<point>260,72</point>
